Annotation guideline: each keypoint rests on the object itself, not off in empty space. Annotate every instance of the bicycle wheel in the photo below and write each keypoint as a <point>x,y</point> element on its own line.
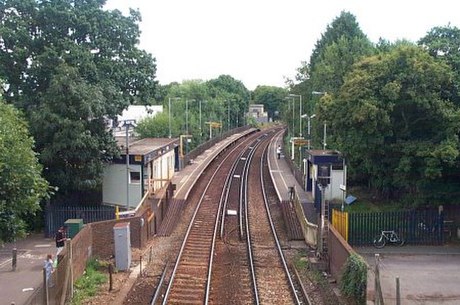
<point>379,241</point>
<point>400,242</point>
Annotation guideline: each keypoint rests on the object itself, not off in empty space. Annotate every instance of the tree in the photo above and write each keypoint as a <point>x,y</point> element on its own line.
<point>21,184</point>
<point>442,43</point>
<point>235,98</point>
<point>399,135</point>
<point>271,97</point>
<point>157,126</point>
<point>343,27</point>
<point>336,61</point>
<point>70,65</point>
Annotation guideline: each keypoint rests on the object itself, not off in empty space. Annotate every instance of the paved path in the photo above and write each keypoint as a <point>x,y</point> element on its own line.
<point>428,274</point>
<point>17,286</point>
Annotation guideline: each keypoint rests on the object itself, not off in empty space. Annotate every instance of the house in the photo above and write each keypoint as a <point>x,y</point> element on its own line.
<point>151,165</point>
<point>257,112</point>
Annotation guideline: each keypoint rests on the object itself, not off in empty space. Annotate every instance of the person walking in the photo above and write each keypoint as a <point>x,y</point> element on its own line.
<point>60,239</point>
<point>49,268</point>
<point>278,151</point>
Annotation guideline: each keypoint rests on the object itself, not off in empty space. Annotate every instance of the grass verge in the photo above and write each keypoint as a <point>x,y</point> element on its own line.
<point>87,285</point>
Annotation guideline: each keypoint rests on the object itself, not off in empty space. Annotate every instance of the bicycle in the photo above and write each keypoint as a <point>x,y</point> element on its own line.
<point>388,236</point>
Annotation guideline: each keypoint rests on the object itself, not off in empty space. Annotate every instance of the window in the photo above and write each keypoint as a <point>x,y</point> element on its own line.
<point>135,177</point>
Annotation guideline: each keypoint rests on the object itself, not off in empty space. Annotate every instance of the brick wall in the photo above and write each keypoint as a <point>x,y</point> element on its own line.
<point>103,242</point>
<point>339,251</point>
<point>81,250</point>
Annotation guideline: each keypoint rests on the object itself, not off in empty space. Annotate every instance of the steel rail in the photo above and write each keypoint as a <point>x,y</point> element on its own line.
<point>222,205</point>
<point>247,229</point>
<point>224,198</point>
<point>184,242</point>
<point>275,235</point>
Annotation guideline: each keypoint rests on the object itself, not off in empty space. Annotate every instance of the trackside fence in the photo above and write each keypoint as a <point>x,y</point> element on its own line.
<point>417,227</point>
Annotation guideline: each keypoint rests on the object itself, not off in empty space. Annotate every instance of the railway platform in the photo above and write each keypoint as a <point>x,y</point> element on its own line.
<point>283,179</point>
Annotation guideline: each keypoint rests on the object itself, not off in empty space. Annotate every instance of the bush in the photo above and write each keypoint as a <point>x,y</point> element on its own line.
<point>353,282</point>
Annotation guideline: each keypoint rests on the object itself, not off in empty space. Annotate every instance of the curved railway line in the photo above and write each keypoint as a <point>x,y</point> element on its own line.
<point>231,253</point>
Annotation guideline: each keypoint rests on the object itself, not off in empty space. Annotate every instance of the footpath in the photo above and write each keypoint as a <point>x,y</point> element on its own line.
<point>17,286</point>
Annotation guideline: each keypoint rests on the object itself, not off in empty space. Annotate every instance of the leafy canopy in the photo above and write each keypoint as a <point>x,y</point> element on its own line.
<point>21,184</point>
<point>69,65</point>
<point>391,121</point>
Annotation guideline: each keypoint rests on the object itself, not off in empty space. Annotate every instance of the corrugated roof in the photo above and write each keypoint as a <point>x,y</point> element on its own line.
<point>144,146</point>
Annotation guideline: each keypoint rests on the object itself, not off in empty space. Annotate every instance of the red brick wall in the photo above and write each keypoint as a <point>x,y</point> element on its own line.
<point>103,242</point>
<point>339,250</point>
<point>81,250</point>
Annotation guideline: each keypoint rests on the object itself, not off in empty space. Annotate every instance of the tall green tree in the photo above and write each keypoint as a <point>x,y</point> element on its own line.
<point>344,26</point>
<point>442,43</point>
<point>21,183</point>
<point>397,131</point>
<point>70,64</point>
<point>336,61</point>
<point>234,98</point>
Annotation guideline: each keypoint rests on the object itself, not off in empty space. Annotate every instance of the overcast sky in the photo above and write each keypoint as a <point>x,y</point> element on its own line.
<point>260,42</point>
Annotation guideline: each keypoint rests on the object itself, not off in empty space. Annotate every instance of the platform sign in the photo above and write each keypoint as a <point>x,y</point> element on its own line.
<point>300,142</point>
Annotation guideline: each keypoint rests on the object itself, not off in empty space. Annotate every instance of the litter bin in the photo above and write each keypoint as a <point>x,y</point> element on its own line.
<point>73,227</point>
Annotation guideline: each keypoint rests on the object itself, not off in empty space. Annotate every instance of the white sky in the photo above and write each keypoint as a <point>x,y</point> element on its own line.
<point>259,42</point>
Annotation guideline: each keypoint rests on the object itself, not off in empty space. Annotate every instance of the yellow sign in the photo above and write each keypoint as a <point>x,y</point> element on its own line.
<point>214,124</point>
<point>138,158</point>
<point>300,142</point>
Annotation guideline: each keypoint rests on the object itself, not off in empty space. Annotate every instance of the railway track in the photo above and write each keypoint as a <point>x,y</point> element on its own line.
<point>188,282</point>
<point>231,253</point>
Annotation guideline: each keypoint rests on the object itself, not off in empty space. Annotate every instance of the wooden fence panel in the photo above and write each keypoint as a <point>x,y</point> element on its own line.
<point>340,222</point>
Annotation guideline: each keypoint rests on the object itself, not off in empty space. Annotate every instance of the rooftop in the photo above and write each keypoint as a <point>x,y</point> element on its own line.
<point>146,145</point>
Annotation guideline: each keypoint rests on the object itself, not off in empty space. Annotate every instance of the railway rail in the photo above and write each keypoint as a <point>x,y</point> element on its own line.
<point>231,252</point>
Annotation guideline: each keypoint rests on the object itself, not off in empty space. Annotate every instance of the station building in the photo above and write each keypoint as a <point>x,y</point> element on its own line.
<point>150,165</point>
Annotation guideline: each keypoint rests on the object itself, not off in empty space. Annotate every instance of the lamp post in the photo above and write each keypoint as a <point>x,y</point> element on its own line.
<point>228,115</point>
<point>292,99</point>
<point>324,137</point>
<point>186,115</point>
<point>201,133</point>
<point>169,113</point>
<point>127,124</point>
<point>309,117</point>
<point>321,93</point>
<point>300,111</point>
<point>186,125</point>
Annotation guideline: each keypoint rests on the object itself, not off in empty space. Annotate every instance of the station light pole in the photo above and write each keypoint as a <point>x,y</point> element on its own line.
<point>300,111</point>
<point>127,124</point>
<point>169,113</point>
<point>309,117</point>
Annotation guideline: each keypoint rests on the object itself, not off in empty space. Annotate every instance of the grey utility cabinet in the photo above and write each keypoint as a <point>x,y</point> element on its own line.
<point>122,245</point>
